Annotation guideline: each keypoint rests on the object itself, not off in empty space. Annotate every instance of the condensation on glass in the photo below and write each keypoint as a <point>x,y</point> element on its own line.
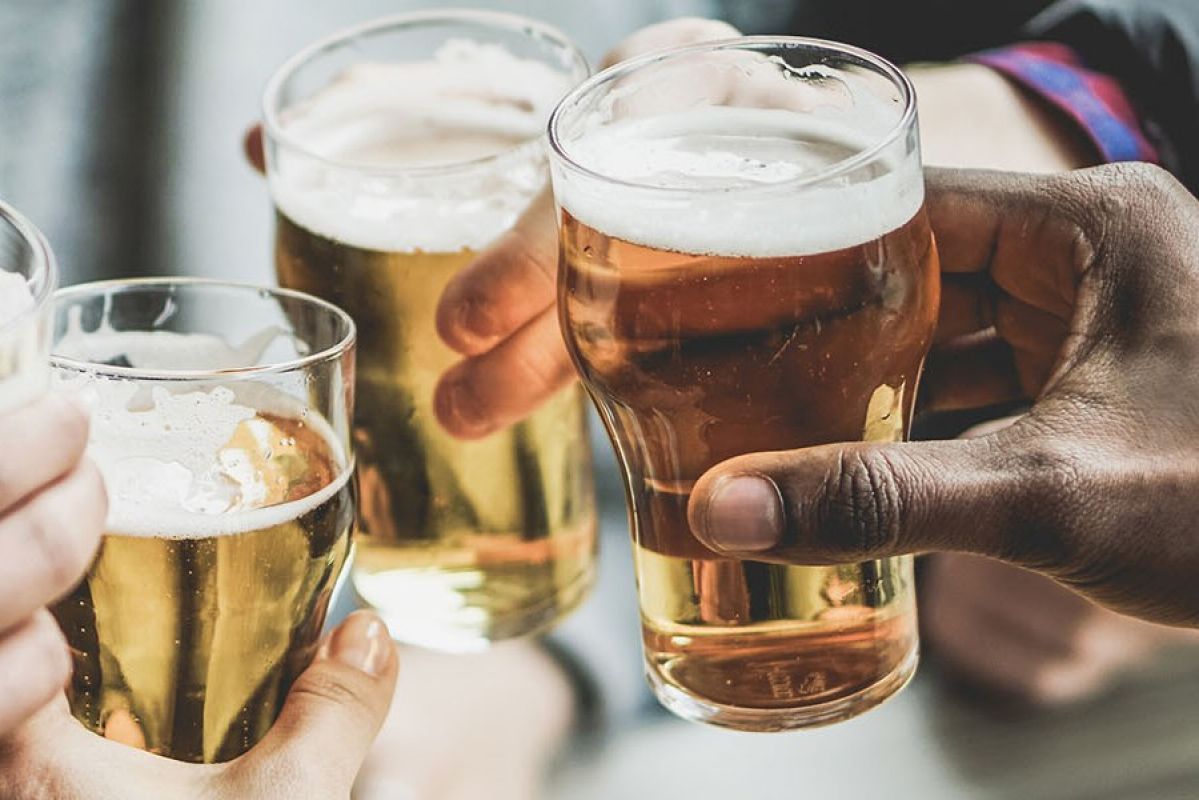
<point>746,265</point>
<point>221,424</point>
<point>397,151</point>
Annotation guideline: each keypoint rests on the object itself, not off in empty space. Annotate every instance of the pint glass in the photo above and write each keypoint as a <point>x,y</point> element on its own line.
<point>395,152</point>
<point>746,265</point>
<point>27,279</point>
<point>221,424</point>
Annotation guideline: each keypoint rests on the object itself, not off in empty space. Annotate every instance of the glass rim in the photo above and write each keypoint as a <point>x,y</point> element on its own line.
<point>494,19</point>
<point>560,152</point>
<point>343,345</point>
<point>44,263</point>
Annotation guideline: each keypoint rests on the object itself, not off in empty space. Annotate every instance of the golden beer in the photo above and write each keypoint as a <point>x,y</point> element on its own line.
<point>230,510</point>
<point>735,279</point>
<point>390,180</point>
<point>186,639</point>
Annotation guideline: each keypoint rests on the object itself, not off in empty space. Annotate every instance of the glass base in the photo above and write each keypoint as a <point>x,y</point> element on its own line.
<point>429,610</point>
<point>774,720</point>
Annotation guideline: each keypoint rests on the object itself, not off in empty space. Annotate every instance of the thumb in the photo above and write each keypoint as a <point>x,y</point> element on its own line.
<point>845,503</point>
<point>332,714</point>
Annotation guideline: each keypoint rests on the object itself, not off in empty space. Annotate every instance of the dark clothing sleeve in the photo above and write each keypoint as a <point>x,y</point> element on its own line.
<point>1152,48</point>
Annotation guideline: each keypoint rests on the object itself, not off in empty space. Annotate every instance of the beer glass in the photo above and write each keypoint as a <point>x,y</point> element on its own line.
<point>27,279</point>
<point>221,425</point>
<point>746,265</point>
<point>395,152</point>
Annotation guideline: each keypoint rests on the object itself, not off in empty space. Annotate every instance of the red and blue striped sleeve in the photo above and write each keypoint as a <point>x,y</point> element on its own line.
<point>1094,101</point>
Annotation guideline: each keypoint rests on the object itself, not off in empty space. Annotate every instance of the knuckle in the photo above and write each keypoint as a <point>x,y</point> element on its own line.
<point>35,660</point>
<point>71,424</point>
<point>1052,472</point>
<point>62,539</point>
<point>94,499</point>
<point>859,510</point>
<point>323,688</point>
<point>51,648</point>
<point>540,366</point>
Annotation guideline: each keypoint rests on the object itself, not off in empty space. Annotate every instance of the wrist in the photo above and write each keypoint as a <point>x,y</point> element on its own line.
<point>972,116</point>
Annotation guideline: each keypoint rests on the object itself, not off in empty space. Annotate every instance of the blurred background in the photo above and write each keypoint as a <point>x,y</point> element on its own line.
<point>120,135</point>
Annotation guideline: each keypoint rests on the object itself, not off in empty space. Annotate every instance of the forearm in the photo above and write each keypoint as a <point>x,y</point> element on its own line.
<point>1152,48</point>
<point>971,116</point>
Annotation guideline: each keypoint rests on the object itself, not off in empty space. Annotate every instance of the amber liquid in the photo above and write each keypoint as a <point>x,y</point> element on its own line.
<point>695,359</point>
<point>186,645</point>
<point>459,542</point>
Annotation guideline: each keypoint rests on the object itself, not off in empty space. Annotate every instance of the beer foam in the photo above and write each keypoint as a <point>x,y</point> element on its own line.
<point>368,135</point>
<point>732,193</point>
<point>166,450</point>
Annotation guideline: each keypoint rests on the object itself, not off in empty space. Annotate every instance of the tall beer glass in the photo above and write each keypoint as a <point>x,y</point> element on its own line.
<point>27,279</point>
<point>746,266</point>
<point>221,424</point>
<point>395,152</point>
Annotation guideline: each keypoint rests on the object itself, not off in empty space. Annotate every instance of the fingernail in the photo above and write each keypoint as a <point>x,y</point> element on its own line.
<point>744,514</point>
<point>475,320</point>
<point>362,642</point>
<point>461,410</point>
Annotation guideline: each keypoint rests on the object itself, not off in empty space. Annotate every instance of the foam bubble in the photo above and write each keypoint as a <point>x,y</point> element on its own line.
<point>193,459</point>
<point>739,203</point>
<point>471,101</point>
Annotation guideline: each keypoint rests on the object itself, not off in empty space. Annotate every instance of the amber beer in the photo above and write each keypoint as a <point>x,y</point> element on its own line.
<point>772,315</point>
<point>230,511</point>
<point>388,180</point>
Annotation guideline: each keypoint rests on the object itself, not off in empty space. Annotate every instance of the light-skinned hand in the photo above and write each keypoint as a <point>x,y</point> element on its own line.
<point>313,752</point>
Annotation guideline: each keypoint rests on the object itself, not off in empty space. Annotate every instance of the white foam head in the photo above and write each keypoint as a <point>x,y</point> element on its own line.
<point>165,449</point>
<point>377,130</point>
<point>729,193</point>
<point>739,152</point>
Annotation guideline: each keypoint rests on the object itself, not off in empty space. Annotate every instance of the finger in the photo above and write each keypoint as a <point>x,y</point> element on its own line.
<point>509,284</point>
<point>672,33</point>
<point>34,666</point>
<point>486,393</point>
<point>856,502</point>
<point>41,442</point>
<point>967,306</point>
<point>1002,599</point>
<point>1021,229</point>
<point>252,148</point>
<point>999,660</point>
<point>976,372</point>
<point>48,542</point>
<point>1036,338</point>
<point>331,716</point>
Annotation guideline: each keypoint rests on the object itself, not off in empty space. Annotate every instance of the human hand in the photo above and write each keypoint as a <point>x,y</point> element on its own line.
<point>1013,633</point>
<point>973,117</point>
<point>505,712</point>
<point>52,510</point>
<point>500,311</point>
<point>313,751</point>
<point>1078,291</point>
